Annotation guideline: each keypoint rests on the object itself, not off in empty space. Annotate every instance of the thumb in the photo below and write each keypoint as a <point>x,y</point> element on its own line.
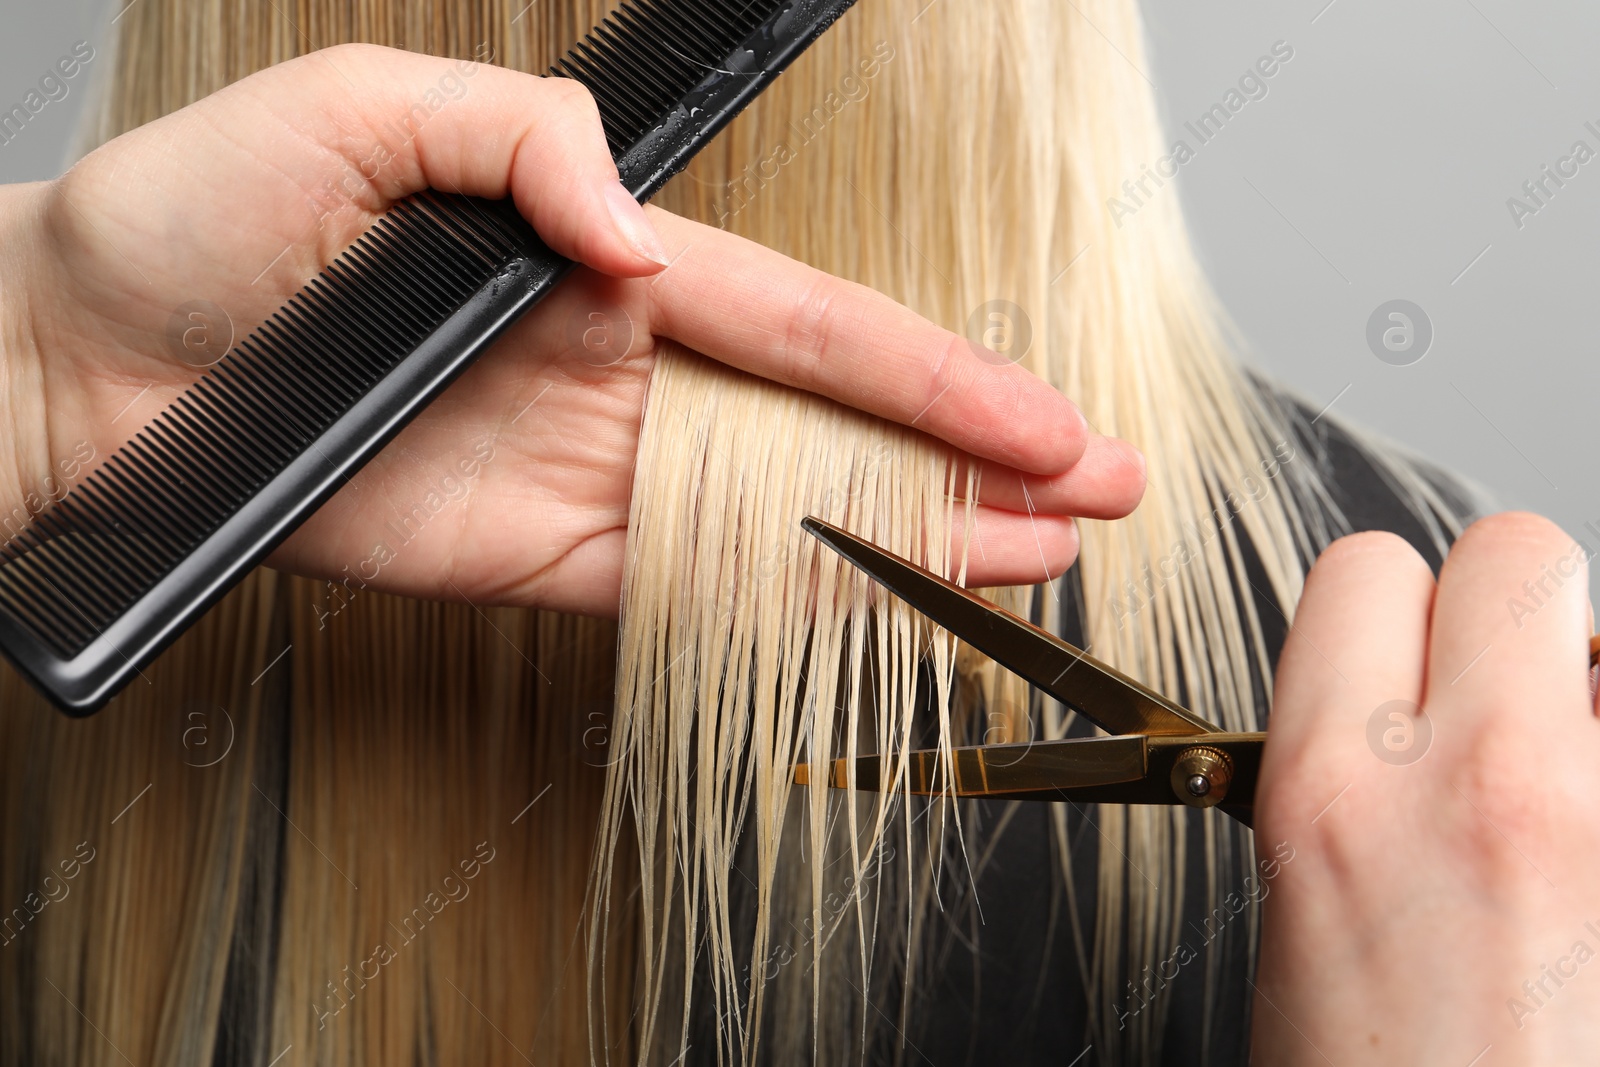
<point>403,122</point>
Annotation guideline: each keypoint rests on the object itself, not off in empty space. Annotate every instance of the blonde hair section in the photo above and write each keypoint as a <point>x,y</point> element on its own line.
<point>949,154</point>
<point>760,654</point>
<point>388,858</point>
<point>952,155</point>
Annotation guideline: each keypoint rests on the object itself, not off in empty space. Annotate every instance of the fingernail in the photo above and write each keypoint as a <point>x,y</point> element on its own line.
<point>633,226</point>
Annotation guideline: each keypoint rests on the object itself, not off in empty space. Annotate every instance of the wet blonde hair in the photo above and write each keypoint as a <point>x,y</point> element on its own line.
<point>236,905</point>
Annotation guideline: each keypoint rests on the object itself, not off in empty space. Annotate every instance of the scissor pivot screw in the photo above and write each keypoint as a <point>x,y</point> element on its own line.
<point>1200,776</point>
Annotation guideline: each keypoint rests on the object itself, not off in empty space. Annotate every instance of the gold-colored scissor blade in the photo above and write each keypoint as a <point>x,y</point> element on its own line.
<point>1131,769</point>
<point>1102,694</point>
<point>999,770</point>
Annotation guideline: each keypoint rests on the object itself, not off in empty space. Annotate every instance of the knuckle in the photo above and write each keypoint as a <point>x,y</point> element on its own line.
<point>995,398</point>
<point>573,94</point>
<point>1514,806</point>
<point>1512,529</point>
<point>351,51</point>
<point>1316,819</point>
<point>1368,561</point>
<point>1371,549</point>
<point>808,334</point>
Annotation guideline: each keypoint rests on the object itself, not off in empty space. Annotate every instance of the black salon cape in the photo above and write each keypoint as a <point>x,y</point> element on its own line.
<point>1019,1000</point>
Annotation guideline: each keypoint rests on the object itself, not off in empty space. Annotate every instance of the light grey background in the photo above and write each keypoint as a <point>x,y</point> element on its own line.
<point>1377,166</point>
<point>36,35</point>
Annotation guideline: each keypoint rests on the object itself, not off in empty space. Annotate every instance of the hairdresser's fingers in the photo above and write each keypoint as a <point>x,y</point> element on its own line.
<point>401,122</point>
<point>1006,548</point>
<point>1106,483</point>
<point>1357,644</point>
<point>1510,640</point>
<point>756,309</point>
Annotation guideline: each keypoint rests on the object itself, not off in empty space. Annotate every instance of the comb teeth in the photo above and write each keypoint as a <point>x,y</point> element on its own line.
<point>88,558</point>
<point>112,572</point>
<point>641,59</point>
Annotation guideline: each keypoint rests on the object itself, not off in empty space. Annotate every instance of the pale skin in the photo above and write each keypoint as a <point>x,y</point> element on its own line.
<point>1428,904</point>
<point>1408,917</point>
<point>229,201</point>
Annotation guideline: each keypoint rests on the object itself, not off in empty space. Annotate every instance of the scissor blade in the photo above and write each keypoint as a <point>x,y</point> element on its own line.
<point>1129,769</point>
<point>999,770</point>
<point>1102,694</point>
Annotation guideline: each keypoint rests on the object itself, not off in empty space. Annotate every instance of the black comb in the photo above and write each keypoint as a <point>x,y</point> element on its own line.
<point>111,573</point>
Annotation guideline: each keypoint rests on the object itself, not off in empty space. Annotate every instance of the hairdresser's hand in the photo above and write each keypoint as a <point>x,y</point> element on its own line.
<point>523,468</point>
<point>1440,906</point>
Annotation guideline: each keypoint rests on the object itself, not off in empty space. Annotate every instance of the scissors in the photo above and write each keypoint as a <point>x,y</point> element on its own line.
<point>1161,753</point>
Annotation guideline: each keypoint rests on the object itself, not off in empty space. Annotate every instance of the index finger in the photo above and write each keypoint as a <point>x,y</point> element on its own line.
<point>1357,643</point>
<point>761,311</point>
